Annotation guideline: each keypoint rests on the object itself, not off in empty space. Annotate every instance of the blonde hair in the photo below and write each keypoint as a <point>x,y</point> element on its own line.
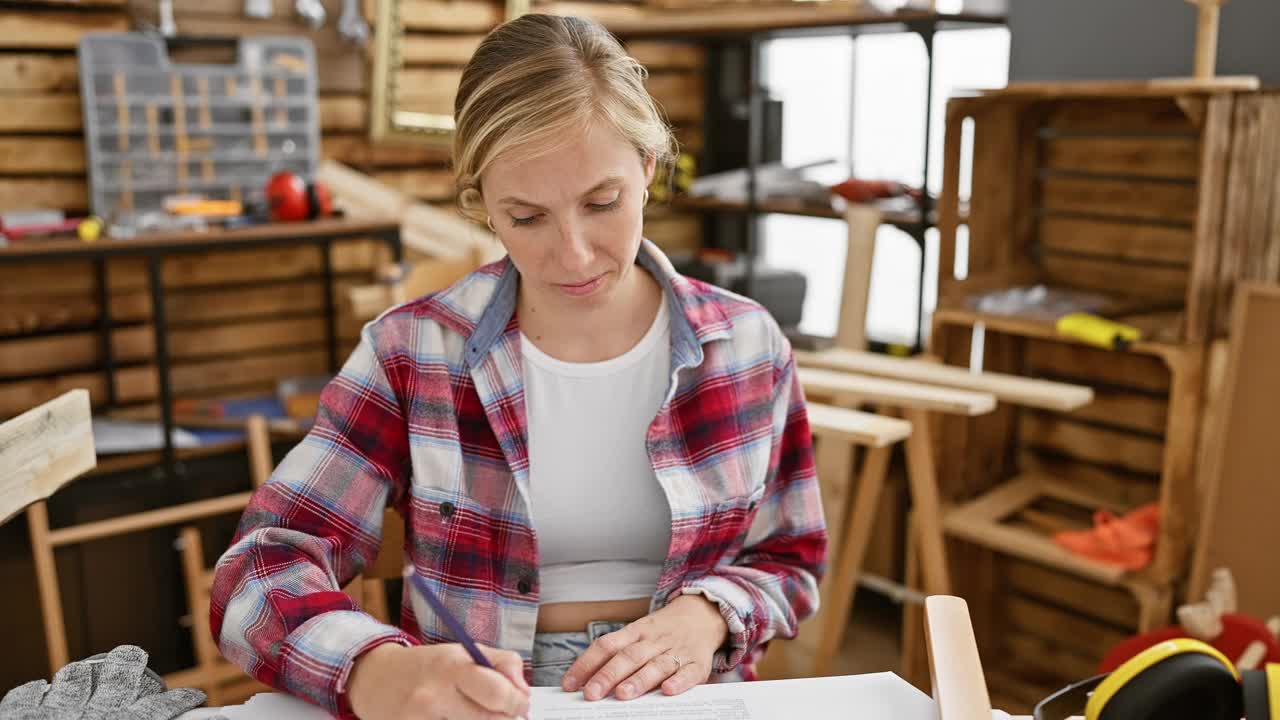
<point>536,79</point>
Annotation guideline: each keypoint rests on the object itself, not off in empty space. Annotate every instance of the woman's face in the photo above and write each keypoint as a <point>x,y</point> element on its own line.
<point>571,219</point>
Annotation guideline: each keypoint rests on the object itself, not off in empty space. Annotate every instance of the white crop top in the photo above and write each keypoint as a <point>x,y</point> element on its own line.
<point>602,521</point>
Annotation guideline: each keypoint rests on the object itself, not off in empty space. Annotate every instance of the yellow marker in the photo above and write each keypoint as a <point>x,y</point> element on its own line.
<point>1098,331</point>
<point>89,229</point>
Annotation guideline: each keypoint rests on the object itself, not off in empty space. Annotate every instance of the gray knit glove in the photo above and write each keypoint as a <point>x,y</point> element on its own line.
<point>112,686</point>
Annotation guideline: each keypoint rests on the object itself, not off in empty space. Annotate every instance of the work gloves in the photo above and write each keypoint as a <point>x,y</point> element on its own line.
<point>111,686</point>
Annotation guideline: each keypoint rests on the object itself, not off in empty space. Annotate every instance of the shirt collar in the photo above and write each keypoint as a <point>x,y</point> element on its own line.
<point>696,316</point>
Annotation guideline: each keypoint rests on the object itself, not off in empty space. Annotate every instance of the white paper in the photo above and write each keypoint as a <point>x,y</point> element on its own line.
<point>881,696</point>
<point>112,436</point>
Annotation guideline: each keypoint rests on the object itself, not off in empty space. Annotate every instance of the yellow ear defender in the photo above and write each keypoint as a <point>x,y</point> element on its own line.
<point>1181,679</point>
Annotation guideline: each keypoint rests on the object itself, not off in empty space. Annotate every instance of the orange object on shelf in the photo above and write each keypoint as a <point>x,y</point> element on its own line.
<point>1126,541</point>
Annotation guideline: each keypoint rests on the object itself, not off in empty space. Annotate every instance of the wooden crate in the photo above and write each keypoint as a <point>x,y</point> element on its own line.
<point>1160,199</point>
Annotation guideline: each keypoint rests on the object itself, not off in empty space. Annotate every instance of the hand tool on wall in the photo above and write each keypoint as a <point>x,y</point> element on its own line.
<point>311,11</point>
<point>351,23</point>
<point>257,8</point>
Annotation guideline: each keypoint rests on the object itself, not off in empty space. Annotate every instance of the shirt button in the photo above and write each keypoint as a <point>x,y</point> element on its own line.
<point>524,586</point>
<point>446,509</point>
<point>751,505</point>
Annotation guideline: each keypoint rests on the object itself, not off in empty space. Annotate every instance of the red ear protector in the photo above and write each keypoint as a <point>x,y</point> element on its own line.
<point>292,199</point>
<point>1181,679</point>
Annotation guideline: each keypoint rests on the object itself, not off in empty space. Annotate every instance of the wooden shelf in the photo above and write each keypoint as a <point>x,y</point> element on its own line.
<point>834,16</point>
<point>1042,329</point>
<point>788,207</point>
<point>981,521</point>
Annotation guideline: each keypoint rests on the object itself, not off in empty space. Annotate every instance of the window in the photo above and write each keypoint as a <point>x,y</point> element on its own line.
<point>860,101</point>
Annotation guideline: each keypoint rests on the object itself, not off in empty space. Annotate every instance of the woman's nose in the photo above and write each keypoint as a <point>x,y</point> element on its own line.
<point>574,249</point>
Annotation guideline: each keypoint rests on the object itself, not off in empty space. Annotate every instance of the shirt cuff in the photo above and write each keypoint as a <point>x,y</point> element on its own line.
<point>735,608</point>
<point>322,652</point>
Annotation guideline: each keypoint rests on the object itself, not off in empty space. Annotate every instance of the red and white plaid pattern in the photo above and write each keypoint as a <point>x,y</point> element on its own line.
<point>427,415</point>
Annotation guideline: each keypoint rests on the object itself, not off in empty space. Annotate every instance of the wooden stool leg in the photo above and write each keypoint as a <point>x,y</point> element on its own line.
<point>55,631</point>
<point>844,582</point>
<point>1155,605</point>
<point>923,480</point>
<point>913,670</point>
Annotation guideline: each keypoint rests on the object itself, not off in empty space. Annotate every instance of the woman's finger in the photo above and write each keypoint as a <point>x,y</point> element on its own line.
<point>624,663</point>
<point>594,657</point>
<point>658,669</point>
<point>508,663</point>
<point>491,690</point>
<point>691,673</point>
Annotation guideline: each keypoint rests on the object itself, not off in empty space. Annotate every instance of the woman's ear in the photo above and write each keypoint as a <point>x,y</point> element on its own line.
<point>650,165</point>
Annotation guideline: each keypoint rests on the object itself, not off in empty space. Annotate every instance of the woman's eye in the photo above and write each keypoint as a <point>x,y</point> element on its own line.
<point>604,207</point>
<point>524,220</point>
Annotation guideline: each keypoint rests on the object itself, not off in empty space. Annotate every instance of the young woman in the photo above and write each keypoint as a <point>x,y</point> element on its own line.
<point>604,467</point>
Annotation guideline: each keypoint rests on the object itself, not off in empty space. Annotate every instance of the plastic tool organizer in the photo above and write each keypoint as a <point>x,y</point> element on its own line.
<point>155,128</point>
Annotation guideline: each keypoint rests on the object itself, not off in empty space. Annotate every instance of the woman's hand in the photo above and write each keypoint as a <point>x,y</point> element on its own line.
<point>433,682</point>
<point>672,647</point>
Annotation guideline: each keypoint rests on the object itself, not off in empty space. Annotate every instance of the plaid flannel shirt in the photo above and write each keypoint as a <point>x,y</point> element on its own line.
<point>428,416</point>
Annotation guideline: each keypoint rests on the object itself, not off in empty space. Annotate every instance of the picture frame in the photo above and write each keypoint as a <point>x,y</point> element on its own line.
<point>387,121</point>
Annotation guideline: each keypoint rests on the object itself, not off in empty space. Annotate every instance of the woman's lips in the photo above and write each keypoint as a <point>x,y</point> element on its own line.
<point>585,288</point>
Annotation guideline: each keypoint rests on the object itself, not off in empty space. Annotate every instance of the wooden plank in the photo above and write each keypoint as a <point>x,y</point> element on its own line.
<point>55,29</point>
<point>44,192</point>
<point>132,385</point>
<point>678,94</point>
<point>247,266</point>
<point>896,393</point>
<point>1094,365</point>
<point>690,139</point>
<point>1118,240</point>
<point>1161,157</point>
<point>658,55</point>
<point>39,73</point>
<point>1158,284</point>
<point>428,90</point>
<point>1246,141</point>
<point>854,426</point>
<point>438,49</point>
<point>230,373</point>
<point>276,298</point>
<point>343,112</point>
<point>445,15</point>
<point>1091,443</point>
<point>862,222</point>
<point>36,113</point>
<point>43,449</point>
<point>1119,116</point>
<point>357,150</point>
<point>1269,261</point>
<point>1042,656</point>
<point>41,155</point>
<point>246,337</point>
<point>674,232</point>
<point>426,183</point>
<point>1114,198</point>
<point>1116,487</point>
<point>1113,605</point>
<point>1075,632</point>
<point>1125,409</point>
<point>31,356</point>
<point>1238,511</point>
<point>991,205</point>
<point>1007,388</point>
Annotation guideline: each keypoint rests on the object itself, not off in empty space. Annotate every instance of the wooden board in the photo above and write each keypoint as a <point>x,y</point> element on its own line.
<point>44,192</point>
<point>1078,633</point>
<point>43,449</point>
<point>1007,388</point>
<point>445,15</point>
<point>438,49</point>
<point>1110,239</point>
<point>37,113</point>
<point>358,151</point>
<point>41,155</point>
<point>428,90</point>
<point>1094,365</point>
<point>1157,284</point>
<point>39,72</point>
<point>1162,157</point>
<point>1239,526</point>
<point>857,427</point>
<point>55,28</point>
<point>1092,443</point>
<point>1114,485</point>
<point>895,393</point>
<point>1115,198</point>
<point>657,55</point>
<point>678,94</point>
<point>343,112</point>
<point>426,183</point>
<point>991,204</point>
<point>1126,409</point>
<point>1112,605</point>
<point>1201,293</point>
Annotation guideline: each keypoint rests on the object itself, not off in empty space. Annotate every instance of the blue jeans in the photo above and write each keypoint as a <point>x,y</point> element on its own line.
<point>555,652</point>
